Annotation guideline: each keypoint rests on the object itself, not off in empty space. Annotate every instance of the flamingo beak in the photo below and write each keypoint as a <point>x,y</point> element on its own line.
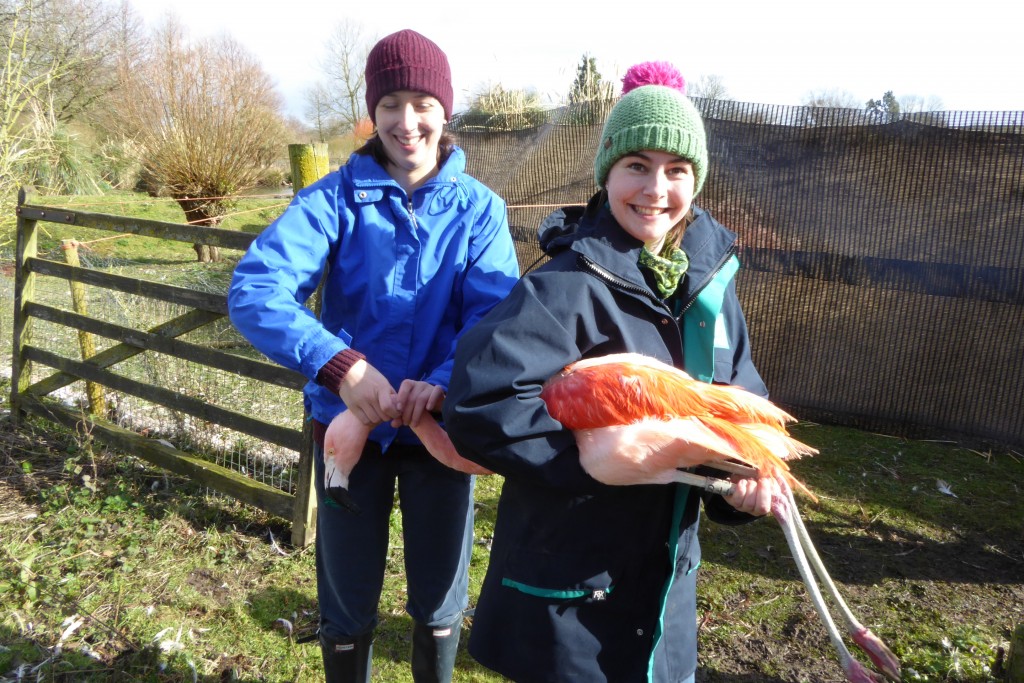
<point>341,497</point>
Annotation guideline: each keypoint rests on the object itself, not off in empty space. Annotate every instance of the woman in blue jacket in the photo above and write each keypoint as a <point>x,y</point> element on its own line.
<point>414,252</point>
<point>587,581</point>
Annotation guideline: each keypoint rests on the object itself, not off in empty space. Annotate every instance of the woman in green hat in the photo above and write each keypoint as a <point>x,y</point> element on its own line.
<point>588,581</point>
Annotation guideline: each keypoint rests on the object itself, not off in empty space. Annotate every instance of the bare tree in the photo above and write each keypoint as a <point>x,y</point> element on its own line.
<point>830,107</point>
<point>318,111</point>
<point>22,89</point>
<point>78,43</point>
<point>910,104</point>
<point>59,62</point>
<point>208,119</point>
<point>717,103</point>
<point>709,87</point>
<point>831,99</point>
<point>342,95</point>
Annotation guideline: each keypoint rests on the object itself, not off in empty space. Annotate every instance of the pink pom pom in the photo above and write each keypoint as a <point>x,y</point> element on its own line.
<point>653,73</point>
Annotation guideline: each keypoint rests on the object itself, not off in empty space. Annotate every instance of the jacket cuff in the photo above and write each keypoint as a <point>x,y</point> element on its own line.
<point>333,372</point>
<point>720,512</point>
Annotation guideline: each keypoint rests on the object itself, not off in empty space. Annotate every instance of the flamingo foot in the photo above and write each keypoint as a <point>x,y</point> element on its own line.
<point>858,673</point>
<point>880,654</point>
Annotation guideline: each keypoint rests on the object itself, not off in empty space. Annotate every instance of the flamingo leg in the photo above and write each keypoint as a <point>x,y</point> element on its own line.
<point>854,670</point>
<point>722,487</point>
<point>872,645</point>
<point>734,468</point>
<point>719,486</point>
<point>807,560</point>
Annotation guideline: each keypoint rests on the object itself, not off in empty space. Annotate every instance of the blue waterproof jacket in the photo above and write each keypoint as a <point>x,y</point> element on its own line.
<point>406,276</point>
<point>589,582</point>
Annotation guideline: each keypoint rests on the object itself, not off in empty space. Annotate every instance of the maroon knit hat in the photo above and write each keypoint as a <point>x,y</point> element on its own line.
<point>407,60</point>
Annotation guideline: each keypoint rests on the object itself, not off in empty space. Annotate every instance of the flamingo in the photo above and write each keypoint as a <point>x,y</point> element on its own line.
<point>638,420</point>
<point>346,436</point>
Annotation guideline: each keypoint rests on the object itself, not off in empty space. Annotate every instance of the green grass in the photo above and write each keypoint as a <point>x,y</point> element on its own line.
<point>166,262</point>
<point>161,578</point>
<point>937,572</point>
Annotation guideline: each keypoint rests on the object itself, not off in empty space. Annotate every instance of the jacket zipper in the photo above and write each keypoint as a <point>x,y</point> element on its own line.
<point>615,280</point>
<point>412,215</point>
<point>729,253</point>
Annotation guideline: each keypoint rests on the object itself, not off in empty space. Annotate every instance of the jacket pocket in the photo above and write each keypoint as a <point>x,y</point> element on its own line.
<point>557,577</point>
<point>689,554</point>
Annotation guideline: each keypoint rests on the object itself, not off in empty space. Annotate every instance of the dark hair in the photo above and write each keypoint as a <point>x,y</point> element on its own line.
<point>375,148</point>
<point>674,236</point>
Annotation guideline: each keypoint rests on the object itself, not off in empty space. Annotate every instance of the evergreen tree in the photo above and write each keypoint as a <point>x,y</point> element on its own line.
<point>589,85</point>
<point>589,93</point>
<point>887,109</point>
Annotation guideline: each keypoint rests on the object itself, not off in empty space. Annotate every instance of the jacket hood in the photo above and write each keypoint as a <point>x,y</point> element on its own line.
<point>593,233</point>
<point>562,227</point>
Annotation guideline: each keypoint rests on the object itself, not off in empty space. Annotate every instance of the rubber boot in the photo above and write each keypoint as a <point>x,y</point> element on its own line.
<point>347,660</point>
<point>433,652</point>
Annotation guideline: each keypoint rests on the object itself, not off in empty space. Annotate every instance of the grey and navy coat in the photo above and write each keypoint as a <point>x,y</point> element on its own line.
<point>589,582</point>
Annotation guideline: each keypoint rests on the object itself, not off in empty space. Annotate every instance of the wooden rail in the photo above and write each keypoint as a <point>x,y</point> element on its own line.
<point>35,398</point>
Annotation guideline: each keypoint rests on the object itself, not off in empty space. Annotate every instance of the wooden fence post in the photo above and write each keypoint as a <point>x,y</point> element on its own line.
<point>94,391</point>
<point>24,290</point>
<point>1015,662</point>
<point>309,163</point>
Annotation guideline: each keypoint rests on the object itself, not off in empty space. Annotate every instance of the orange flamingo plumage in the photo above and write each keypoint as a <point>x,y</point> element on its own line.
<point>638,420</point>
<point>625,389</point>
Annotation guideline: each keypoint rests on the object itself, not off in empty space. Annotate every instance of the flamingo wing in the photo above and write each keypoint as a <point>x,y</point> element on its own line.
<point>627,388</point>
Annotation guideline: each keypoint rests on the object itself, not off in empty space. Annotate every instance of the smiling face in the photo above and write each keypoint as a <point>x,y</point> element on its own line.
<point>649,192</point>
<point>410,125</point>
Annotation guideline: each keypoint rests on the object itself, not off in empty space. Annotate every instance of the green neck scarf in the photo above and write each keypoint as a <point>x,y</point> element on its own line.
<point>668,267</point>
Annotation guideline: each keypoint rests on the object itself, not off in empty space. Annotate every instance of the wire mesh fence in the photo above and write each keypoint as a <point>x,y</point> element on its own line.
<point>260,460</point>
<point>882,254</point>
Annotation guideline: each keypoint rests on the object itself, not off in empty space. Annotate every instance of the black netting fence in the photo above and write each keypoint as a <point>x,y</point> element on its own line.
<point>883,279</point>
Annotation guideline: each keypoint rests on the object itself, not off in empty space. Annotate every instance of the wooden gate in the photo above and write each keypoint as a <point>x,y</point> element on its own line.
<point>34,398</point>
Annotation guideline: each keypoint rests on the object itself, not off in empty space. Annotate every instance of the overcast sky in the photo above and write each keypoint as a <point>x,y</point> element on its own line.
<point>772,52</point>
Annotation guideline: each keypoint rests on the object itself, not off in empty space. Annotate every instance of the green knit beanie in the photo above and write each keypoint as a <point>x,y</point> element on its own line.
<point>653,113</point>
